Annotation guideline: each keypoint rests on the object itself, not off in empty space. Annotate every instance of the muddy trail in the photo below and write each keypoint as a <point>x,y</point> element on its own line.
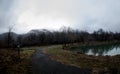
<point>42,64</point>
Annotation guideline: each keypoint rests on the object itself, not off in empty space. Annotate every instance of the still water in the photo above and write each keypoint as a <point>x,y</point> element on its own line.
<point>107,49</point>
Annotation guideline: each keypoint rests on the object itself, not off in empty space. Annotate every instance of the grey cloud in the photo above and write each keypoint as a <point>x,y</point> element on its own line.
<point>103,14</point>
<point>87,15</point>
<point>5,14</point>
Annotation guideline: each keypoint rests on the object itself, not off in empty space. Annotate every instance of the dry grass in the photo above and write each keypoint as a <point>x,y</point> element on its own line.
<point>11,64</point>
<point>82,60</point>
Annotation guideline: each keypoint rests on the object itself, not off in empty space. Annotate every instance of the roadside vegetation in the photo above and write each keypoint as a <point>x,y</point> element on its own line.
<point>67,38</point>
<point>109,64</point>
<point>10,63</point>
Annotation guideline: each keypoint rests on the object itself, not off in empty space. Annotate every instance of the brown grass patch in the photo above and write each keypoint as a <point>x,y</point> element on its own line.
<point>11,64</point>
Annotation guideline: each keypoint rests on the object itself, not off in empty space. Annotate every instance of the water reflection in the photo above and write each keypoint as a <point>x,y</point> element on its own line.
<point>108,49</point>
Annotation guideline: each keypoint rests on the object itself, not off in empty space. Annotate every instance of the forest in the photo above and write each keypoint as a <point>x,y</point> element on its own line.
<point>66,35</point>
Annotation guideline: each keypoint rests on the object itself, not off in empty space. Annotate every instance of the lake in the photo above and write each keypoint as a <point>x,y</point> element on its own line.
<point>106,49</point>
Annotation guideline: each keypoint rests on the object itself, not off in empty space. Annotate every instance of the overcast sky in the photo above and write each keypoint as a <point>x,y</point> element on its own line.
<point>86,15</point>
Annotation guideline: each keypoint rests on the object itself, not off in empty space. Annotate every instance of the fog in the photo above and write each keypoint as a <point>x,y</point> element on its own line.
<point>86,15</point>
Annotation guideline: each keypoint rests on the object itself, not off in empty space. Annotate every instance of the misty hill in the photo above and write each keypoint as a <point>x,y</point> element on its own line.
<point>14,35</point>
<point>67,35</point>
<point>5,35</point>
<point>37,31</point>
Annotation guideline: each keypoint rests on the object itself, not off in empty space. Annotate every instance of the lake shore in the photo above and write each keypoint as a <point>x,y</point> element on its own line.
<point>92,43</point>
<point>96,63</point>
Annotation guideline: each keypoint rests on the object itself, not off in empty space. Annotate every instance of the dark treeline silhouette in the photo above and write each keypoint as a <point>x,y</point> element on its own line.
<point>64,36</point>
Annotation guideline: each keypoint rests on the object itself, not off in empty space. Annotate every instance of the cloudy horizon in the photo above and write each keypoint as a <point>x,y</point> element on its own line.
<point>86,15</point>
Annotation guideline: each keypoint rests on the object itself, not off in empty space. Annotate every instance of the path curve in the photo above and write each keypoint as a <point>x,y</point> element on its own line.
<point>42,64</point>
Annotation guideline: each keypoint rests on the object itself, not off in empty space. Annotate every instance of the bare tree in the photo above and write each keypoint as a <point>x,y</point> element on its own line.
<point>64,36</point>
<point>9,37</point>
<point>10,40</point>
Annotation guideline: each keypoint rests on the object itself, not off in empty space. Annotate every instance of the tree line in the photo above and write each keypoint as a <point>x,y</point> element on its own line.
<point>64,36</point>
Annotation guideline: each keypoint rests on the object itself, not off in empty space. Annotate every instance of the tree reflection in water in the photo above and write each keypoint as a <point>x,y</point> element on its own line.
<point>106,49</point>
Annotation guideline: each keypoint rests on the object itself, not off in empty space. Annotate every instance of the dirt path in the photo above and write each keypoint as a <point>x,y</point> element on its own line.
<point>42,64</point>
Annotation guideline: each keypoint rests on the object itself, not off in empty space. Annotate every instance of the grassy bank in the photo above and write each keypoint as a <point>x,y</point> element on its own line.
<point>94,43</point>
<point>108,63</point>
<point>11,64</point>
